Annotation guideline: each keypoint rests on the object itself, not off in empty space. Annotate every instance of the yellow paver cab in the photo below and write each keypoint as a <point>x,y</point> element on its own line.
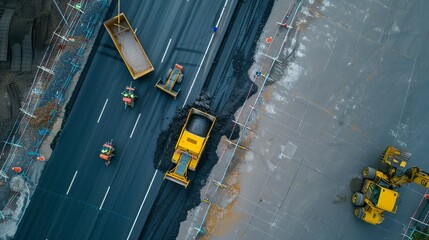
<point>190,145</point>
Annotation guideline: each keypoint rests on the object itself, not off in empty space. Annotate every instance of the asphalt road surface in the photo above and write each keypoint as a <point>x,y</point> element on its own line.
<point>227,85</point>
<point>79,197</point>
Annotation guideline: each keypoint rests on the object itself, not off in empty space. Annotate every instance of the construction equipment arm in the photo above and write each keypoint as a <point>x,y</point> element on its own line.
<point>417,176</point>
<point>413,174</point>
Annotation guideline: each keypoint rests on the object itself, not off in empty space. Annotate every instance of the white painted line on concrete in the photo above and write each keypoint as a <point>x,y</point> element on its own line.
<point>102,110</point>
<point>105,195</point>
<point>141,206</point>
<point>135,124</point>
<point>68,190</point>
<point>168,45</point>
<point>205,53</point>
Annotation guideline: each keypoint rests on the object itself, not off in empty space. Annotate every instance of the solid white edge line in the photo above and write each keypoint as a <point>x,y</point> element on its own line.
<point>68,190</point>
<point>198,71</point>
<point>135,124</point>
<point>102,110</point>
<point>165,52</point>
<point>204,57</point>
<point>141,206</point>
<point>105,195</point>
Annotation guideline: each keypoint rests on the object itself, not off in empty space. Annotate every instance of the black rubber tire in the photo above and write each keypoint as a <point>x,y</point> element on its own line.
<point>180,78</point>
<point>359,212</point>
<point>358,199</point>
<point>199,125</point>
<point>168,75</point>
<point>369,173</point>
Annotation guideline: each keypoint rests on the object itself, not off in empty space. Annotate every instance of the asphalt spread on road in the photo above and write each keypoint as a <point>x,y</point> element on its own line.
<point>226,88</point>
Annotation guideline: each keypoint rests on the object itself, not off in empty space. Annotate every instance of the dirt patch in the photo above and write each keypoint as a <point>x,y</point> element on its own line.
<point>224,211</point>
<point>43,115</point>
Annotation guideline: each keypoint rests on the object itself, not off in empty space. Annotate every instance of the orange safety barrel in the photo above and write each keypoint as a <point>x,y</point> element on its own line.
<point>17,169</point>
<point>126,100</point>
<point>41,158</point>
<point>104,157</point>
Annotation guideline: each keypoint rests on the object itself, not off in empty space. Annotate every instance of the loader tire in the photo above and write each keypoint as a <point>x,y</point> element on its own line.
<point>369,173</point>
<point>358,199</point>
<point>168,74</point>
<point>359,212</point>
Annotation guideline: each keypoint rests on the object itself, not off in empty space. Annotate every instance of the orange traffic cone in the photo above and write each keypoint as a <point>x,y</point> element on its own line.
<point>268,40</point>
<point>17,169</point>
<point>426,196</point>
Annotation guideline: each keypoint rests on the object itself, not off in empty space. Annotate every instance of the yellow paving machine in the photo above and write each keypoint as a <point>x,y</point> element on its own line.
<point>174,75</point>
<point>190,145</point>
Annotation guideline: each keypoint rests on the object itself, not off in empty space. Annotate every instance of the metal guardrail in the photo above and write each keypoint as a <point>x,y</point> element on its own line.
<point>418,226</point>
<point>212,190</point>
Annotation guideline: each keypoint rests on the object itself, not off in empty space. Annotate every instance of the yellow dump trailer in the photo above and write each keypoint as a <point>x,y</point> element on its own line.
<point>128,46</point>
<point>190,145</point>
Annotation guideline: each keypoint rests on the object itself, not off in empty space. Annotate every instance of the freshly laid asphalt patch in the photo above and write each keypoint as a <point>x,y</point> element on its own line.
<point>226,89</point>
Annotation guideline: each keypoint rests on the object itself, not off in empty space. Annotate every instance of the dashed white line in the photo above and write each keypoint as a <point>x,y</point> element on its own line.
<point>68,190</point>
<point>168,45</point>
<point>102,110</point>
<point>135,124</point>
<point>205,53</point>
<point>105,195</point>
<point>141,206</point>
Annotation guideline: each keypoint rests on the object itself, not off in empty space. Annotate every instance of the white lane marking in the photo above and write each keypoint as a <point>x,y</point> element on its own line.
<point>68,190</point>
<point>102,110</point>
<point>141,206</point>
<point>168,45</point>
<point>135,124</point>
<point>205,53</point>
<point>105,195</point>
